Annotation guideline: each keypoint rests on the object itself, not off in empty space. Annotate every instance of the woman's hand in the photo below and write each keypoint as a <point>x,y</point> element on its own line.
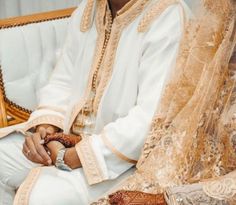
<point>46,129</point>
<point>33,148</point>
<point>35,151</point>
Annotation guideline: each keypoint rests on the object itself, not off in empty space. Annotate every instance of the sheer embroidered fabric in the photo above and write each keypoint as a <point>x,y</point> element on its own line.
<point>193,132</point>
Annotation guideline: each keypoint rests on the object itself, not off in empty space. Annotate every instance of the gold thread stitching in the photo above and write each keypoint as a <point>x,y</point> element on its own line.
<point>86,21</point>
<point>119,24</point>
<point>121,21</point>
<point>23,194</point>
<point>115,151</point>
<point>153,13</point>
<point>89,161</point>
<point>46,119</point>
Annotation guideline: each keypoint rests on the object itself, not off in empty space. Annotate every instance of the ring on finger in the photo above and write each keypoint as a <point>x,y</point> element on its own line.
<point>28,152</point>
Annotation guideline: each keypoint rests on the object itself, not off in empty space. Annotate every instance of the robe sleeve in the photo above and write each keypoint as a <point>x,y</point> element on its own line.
<point>54,97</point>
<point>116,149</point>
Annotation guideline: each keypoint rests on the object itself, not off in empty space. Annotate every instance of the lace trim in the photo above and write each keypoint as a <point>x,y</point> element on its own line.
<point>224,188</point>
<point>89,161</point>
<point>46,119</point>
<point>86,21</point>
<point>153,13</point>
<point>23,194</point>
<point>115,151</point>
<point>192,197</point>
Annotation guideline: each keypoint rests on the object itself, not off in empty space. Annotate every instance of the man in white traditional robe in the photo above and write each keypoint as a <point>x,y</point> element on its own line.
<point>105,88</point>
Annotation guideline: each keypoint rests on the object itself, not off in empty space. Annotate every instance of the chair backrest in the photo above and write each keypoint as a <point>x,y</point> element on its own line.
<point>12,8</point>
<point>28,54</point>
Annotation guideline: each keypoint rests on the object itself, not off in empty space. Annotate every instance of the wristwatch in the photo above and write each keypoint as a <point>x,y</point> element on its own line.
<point>60,163</point>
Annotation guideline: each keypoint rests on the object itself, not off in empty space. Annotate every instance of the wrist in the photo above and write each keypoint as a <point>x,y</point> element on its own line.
<point>54,148</point>
<point>60,162</point>
<point>71,158</point>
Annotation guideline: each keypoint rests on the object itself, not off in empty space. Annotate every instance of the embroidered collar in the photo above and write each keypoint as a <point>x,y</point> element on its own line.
<point>125,16</point>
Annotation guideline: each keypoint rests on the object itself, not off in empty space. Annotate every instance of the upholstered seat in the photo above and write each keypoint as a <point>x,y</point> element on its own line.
<point>28,54</point>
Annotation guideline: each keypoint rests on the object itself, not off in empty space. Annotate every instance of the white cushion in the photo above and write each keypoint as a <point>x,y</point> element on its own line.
<point>28,55</point>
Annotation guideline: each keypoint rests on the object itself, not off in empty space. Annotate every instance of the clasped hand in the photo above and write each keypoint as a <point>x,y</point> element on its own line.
<point>35,151</point>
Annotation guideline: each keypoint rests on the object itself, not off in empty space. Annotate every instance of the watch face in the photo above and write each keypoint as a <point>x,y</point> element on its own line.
<point>64,167</point>
<point>60,161</point>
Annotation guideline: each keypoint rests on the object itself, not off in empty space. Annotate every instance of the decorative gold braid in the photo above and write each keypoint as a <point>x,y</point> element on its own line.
<point>153,13</point>
<point>45,119</point>
<point>86,21</point>
<point>119,24</point>
<point>76,109</point>
<point>101,8</point>
<point>120,155</point>
<point>89,161</point>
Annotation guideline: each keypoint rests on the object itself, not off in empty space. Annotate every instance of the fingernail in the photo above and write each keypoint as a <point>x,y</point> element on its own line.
<point>49,162</point>
<point>41,142</point>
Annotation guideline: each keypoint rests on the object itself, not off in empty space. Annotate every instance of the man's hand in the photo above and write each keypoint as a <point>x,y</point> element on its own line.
<point>54,147</point>
<point>33,148</point>
<point>72,159</point>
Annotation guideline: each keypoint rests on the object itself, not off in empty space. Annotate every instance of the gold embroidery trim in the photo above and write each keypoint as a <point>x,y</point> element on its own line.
<point>23,193</point>
<point>153,13</point>
<point>76,109</point>
<point>115,151</point>
<point>89,162</point>
<point>86,21</point>
<point>119,23</point>
<point>46,119</point>
<point>101,7</point>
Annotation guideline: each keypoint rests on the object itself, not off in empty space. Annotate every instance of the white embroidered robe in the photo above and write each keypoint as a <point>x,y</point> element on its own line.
<point>140,53</point>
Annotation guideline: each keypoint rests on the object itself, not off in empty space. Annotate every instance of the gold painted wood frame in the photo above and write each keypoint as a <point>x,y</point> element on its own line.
<point>10,112</point>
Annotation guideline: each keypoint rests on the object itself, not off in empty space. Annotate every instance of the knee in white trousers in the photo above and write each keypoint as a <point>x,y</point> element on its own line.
<point>14,167</point>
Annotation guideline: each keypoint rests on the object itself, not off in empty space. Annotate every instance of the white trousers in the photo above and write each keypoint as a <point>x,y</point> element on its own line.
<point>53,187</point>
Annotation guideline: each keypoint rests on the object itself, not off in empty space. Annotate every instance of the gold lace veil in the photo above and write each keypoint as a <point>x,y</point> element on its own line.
<point>193,135</point>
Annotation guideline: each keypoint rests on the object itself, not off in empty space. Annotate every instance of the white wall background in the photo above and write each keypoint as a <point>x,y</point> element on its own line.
<point>10,8</point>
